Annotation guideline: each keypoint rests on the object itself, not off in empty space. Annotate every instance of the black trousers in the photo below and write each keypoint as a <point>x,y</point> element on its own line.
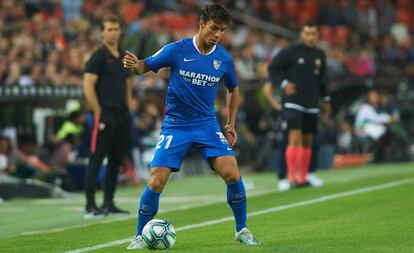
<point>110,138</point>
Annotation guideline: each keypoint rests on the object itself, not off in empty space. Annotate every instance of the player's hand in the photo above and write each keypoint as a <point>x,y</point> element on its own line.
<point>290,89</point>
<point>231,135</point>
<point>131,61</point>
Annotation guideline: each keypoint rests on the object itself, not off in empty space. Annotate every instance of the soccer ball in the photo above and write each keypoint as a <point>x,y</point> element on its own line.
<point>159,234</point>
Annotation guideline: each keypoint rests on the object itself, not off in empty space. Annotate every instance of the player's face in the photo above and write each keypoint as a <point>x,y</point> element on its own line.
<point>111,33</point>
<point>373,97</point>
<point>309,35</point>
<point>211,31</point>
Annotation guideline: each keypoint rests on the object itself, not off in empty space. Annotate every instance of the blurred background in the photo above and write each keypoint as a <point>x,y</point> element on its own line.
<point>45,124</point>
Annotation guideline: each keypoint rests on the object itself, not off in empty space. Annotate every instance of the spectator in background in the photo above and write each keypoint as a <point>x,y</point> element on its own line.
<point>369,123</point>
<point>143,42</point>
<point>246,64</point>
<point>67,139</point>
<point>372,126</point>
<point>362,66</point>
<point>144,122</point>
<point>344,139</point>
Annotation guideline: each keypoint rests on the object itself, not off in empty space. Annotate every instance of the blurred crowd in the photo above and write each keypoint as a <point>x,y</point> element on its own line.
<point>47,42</point>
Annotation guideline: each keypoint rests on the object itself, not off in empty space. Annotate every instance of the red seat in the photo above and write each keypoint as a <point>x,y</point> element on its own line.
<point>341,34</point>
<point>404,16</point>
<point>327,34</point>
<point>292,7</point>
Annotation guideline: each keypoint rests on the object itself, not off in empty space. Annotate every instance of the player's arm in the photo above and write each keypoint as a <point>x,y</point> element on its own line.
<point>165,57</point>
<point>132,62</point>
<point>277,72</point>
<point>129,98</point>
<point>268,92</point>
<point>233,100</point>
<point>89,83</point>
<point>323,83</point>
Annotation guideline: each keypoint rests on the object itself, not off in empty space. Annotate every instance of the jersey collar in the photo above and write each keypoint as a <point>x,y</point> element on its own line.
<point>195,45</point>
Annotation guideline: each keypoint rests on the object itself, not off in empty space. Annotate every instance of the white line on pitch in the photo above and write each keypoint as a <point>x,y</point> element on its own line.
<point>261,212</point>
<point>205,200</point>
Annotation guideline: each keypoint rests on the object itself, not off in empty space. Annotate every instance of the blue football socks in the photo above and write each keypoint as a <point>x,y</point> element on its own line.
<point>236,197</point>
<point>148,208</point>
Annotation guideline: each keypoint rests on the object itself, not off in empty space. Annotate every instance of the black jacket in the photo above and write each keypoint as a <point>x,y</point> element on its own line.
<point>305,67</point>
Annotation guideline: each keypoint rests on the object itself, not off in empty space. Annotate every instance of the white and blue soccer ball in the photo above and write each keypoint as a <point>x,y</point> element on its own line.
<point>159,234</point>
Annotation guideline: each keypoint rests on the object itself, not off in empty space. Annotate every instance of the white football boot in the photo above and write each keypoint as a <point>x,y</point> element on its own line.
<point>314,180</point>
<point>246,237</point>
<point>137,243</point>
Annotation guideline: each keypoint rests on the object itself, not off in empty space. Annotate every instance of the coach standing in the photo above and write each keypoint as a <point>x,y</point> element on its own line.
<point>300,72</point>
<point>108,91</point>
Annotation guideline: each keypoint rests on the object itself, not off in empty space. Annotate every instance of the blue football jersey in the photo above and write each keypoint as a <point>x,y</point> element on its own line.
<point>194,79</point>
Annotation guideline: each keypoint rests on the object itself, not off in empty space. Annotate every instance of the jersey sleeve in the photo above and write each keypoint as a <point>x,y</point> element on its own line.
<point>163,58</point>
<point>277,68</point>
<point>93,65</point>
<point>230,77</point>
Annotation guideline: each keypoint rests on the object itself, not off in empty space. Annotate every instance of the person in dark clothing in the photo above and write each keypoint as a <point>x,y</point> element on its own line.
<point>300,72</point>
<point>107,87</point>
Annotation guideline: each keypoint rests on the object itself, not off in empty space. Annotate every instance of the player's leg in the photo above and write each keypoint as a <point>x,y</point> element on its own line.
<point>283,184</point>
<point>148,205</point>
<point>305,157</point>
<point>293,150</point>
<point>215,149</point>
<point>226,167</point>
<point>311,177</point>
<point>116,155</point>
<point>100,141</point>
<point>170,150</point>
<point>309,127</point>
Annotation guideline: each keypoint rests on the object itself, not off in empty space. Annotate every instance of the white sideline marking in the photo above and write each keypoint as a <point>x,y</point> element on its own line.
<point>261,212</point>
<point>206,200</point>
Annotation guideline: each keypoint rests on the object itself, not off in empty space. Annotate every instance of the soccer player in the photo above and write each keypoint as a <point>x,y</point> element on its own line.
<point>198,65</point>
<point>300,72</point>
<point>107,89</point>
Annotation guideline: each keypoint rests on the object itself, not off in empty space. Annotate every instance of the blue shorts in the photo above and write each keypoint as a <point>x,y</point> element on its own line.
<point>176,139</point>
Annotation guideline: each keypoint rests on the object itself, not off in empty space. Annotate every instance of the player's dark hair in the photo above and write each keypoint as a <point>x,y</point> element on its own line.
<point>110,19</point>
<point>214,11</point>
<point>309,24</point>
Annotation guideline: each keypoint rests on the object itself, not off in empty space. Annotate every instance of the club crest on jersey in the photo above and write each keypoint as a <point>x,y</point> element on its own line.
<point>216,64</point>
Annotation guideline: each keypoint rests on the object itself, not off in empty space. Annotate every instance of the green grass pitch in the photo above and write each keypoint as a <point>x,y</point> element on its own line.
<point>365,209</point>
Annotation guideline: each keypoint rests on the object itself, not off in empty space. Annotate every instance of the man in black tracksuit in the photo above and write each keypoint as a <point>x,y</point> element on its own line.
<point>300,72</point>
<point>107,89</point>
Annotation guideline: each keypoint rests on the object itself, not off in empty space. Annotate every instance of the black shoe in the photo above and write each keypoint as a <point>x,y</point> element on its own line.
<point>112,209</point>
<point>304,184</point>
<point>293,185</point>
<point>93,212</point>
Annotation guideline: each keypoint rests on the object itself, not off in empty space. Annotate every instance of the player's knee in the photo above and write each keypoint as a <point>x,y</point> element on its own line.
<point>156,184</point>
<point>231,177</point>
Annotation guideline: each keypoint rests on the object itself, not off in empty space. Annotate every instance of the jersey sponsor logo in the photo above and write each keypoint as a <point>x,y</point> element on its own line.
<point>199,79</point>
<point>216,64</point>
<point>301,60</point>
<point>189,59</point>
